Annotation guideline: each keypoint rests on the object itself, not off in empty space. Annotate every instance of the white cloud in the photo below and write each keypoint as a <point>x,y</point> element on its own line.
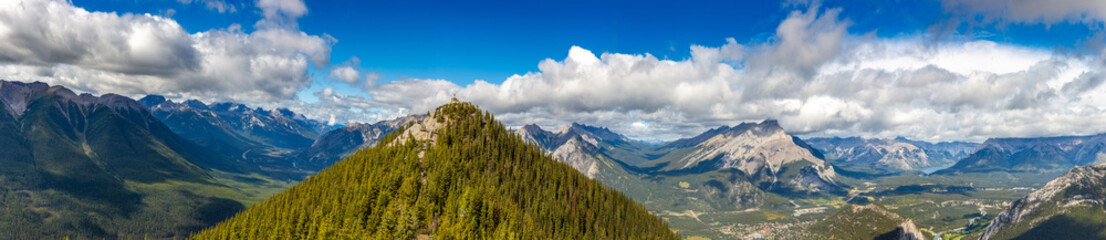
<point>353,75</point>
<point>217,5</point>
<point>812,75</point>
<point>346,73</point>
<point>279,13</point>
<point>98,52</point>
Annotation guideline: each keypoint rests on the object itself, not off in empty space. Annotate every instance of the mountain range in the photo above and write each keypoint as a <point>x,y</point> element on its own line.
<point>1047,154</point>
<point>260,137</point>
<point>724,169</point>
<point>103,166</point>
<point>339,143</point>
<point>897,154</point>
<point>88,166</point>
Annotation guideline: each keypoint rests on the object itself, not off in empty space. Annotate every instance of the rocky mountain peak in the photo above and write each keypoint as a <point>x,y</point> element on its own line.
<point>195,104</point>
<point>579,154</point>
<point>761,150</point>
<point>152,100</point>
<point>764,128</point>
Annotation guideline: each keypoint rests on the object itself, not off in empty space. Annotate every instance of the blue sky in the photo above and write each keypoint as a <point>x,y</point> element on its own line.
<point>492,40</point>
<point>654,70</point>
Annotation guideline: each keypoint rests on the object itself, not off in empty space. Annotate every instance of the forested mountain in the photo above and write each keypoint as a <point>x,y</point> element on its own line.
<point>1048,154</point>
<point>896,154</point>
<point>104,167</point>
<point>339,143</point>
<point>871,221</point>
<point>455,174</point>
<point>1068,207</point>
<point>263,137</point>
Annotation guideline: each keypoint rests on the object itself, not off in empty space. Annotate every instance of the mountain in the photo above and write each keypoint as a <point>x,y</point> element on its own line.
<point>454,174</point>
<point>1068,207</point>
<point>104,167</point>
<point>1048,154</point>
<point>592,150</point>
<point>255,135</point>
<point>587,148</point>
<point>602,139</point>
<point>769,157</point>
<point>896,154</point>
<point>872,221</point>
<point>339,143</point>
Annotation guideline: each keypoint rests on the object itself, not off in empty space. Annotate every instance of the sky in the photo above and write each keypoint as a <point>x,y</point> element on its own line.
<point>933,70</point>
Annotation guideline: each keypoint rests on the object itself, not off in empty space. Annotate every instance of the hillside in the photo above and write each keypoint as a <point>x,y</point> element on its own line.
<point>103,167</point>
<point>1068,207</point>
<point>872,221</point>
<point>455,174</point>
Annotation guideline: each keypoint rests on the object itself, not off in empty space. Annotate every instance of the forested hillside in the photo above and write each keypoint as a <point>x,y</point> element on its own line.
<point>457,174</point>
<point>102,167</point>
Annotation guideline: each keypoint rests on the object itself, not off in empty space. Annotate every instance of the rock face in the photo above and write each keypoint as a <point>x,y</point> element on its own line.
<point>1034,154</point>
<point>577,145</point>
<point>870,221</point>
<point>768,155</point>
<point>1068,207</point>
<point>892,154</point>
<point>578,154</point>
<point>425,129</point>
<point>339,143</point>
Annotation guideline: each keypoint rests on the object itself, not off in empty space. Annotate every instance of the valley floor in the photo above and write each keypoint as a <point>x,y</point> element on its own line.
<point>952,207</point>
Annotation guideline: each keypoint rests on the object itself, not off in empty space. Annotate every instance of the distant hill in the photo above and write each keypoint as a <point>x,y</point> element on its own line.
<point>339,143</point>
<point>1068,207</point>
<point>586,148</point>
<point>266,138</point>
<point>455,174</point>
<point>1048,154</point>
<point>898,154</point>
<point>871,221</point>
<point>104,167</point>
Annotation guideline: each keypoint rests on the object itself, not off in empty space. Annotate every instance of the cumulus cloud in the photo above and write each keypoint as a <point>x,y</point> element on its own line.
<point>98,52</point>
<point>281,13</point>
<point>346,73</point>
<point>812,75</point>
<point>351,73</point>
